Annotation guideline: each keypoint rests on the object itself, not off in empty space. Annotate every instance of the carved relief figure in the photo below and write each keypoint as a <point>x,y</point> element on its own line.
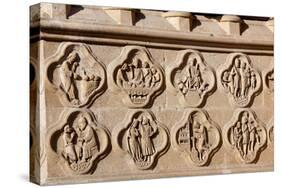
<point>140,142</point>
<point>136,74</point>
<point>145,138</point>
<point>246,135</point>
<point>83,141</point>
<point>67,76</point>
<point>76,73</point>
<point>191,78</point>
<point>239,78</point>
<point>198,136</point>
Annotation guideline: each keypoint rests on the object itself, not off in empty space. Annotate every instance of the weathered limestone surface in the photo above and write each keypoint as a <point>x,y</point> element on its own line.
<point>130,94</point>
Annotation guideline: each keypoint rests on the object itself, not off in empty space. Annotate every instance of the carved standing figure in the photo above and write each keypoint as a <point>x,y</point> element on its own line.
<point>236,77</point>
<point>245,79</point>
<point>146,132</point>
<point>155,76</point>
<point>253,80</point>
<point>67,76</point>
<point>133,141</point>
<point>200,138</point>
<point>237,137</point>
<point>245,133</point>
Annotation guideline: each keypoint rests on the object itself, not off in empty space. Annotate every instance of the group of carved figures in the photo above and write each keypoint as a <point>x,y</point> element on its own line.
<point>246,135</point>
<point>80,144</point>
<point>138,77</point>
<point>139,139</point>
<point>239,79</point>
<point>139,74</point>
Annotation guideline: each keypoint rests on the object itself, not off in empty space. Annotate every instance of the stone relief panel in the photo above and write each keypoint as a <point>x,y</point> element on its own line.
<point>239,79</point>
<point>137,76</point>
<point>190,78</point>
<point>76,73</point>
<point>197,136</point>
<point>143,137</point>
<point>79,142</point>
<point>246,135</point>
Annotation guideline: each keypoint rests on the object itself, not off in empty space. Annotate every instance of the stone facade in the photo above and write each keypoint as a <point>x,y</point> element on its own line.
<point>130,94</point>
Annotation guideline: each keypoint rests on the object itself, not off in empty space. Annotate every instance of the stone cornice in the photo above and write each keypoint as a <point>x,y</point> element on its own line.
<point>120,35</point>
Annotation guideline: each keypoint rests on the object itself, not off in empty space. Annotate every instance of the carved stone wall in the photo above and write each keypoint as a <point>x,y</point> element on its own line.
<point>120,93</point>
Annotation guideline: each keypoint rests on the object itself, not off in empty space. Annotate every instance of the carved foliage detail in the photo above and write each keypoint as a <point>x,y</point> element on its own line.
<point>239,79</point>
<point>136,74</point>
<point>246,135</point>
<point>198,136</point>
<point>143,138</point>
<point>76,73</point>
<point>191,78</point>
<point>80,142</point>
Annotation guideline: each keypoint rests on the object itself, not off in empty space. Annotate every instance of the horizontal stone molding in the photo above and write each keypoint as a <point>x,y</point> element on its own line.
<point>65,30</point>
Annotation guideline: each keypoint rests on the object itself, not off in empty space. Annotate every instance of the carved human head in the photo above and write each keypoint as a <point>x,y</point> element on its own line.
<point>67,129</point>
<point>225,75</point>
<point>238,124</point>
<point>145,120</point>
<point>145,64</point>
<point>72,56</point>
<point>245,116</point>
<point>153,70</point>
<point>82,122</point>
<point>237,62</point>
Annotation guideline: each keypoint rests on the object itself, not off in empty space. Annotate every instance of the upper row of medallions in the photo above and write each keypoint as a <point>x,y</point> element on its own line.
<point>79,77</point>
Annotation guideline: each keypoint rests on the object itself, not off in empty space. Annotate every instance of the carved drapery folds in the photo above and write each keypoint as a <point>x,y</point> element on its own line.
<point>239,79</point>
<point>142,137</point>
<point>191,78</point>
<point>246,135</point>
<point>76,73</point>
<point>137,76</point>
<point>79,141</point>
<point>198,136</point>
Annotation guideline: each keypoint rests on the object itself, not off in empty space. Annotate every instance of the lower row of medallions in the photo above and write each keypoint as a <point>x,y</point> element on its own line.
<point>80,141</point>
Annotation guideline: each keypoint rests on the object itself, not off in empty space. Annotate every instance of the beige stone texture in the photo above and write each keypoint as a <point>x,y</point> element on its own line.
<point>119,94</point>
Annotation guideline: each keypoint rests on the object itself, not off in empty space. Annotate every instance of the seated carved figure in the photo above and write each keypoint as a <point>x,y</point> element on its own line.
<point>86,139</point>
